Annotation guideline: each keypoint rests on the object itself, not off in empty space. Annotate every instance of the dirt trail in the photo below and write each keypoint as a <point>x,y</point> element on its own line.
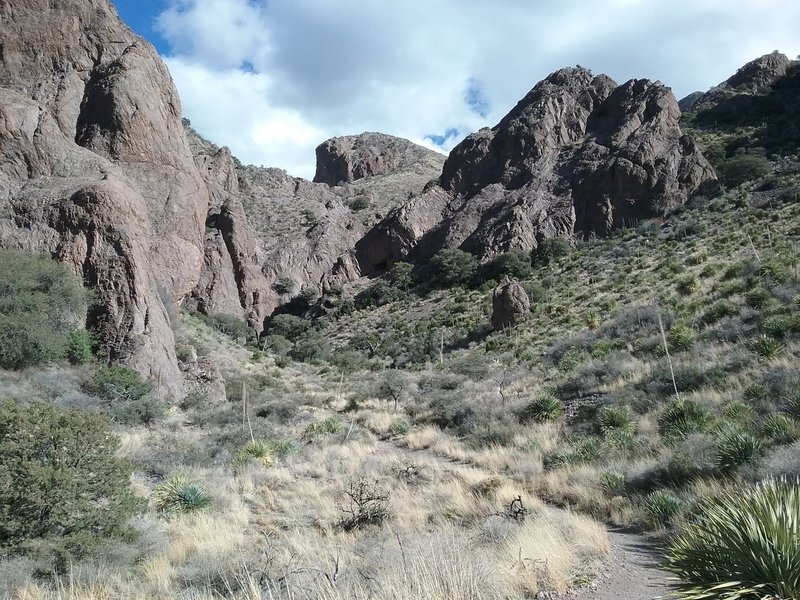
<point>632,573</point>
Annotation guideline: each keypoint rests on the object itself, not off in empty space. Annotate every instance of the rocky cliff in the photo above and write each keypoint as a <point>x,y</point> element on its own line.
<point>578,156</point>
<point>96,171</point>
<point>302,232</point>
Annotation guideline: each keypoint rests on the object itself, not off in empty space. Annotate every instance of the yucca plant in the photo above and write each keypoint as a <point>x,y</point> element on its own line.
<point>744,544</point>
<point>181,494</point>
<point>683,417</point>
<point>735,449</point>
<point>544,408</point>
<point>767,348</point>
<point>613,482</point>
<point>681,337</point>
<point>778,429</point>
<point>258,450</point>
<point>616,418</point>
<point>661,507</point>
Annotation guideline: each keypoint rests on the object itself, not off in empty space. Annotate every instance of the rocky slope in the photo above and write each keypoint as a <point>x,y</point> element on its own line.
<point>756,110</point>
<point>578,156</point>
<point>96,171</point>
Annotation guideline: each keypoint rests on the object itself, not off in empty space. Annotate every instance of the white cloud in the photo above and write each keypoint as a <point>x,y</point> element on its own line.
<point>272,79</point>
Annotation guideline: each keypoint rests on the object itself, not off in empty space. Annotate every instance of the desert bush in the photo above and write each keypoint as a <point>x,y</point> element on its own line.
<point>61,482</point>
<point>660,508</point>
<point>543,408</point>
<point>290,327</point>
<point>452,267</point>
<point>550,249</point>
<point>613,482</point>
<point>283,285</point>
<point>363,503</point>
<point>79,347</point>
<point>258,450</point>
<point>739,169</point>
<point>129,398</point>
<point>514,264</point>
<point>41,304</point>
<point>743,544</point>
<point>181,494</point>
<point>328,426</point>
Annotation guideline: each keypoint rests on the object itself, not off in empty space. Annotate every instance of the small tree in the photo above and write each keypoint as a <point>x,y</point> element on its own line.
<point>400,275</point>
<point>451,267</point>
<point>550,249</point>
<point>41,305</point>
<point>62,486</point>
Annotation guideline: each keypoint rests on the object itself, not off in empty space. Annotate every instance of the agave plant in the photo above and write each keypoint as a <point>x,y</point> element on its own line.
<point>744,544</point>
<point>181,494</point>
<point>544,408</point>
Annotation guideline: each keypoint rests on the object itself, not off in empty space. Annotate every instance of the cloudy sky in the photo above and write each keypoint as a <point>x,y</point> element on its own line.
<point>274,78</point>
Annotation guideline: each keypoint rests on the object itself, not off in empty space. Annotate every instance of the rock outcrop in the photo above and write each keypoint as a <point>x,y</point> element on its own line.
<point>510,304</point>
<point>96,171</point>
<point>762,98</point>
<point>578,156</point>
<point>231,280</point>
<point>348,158</point>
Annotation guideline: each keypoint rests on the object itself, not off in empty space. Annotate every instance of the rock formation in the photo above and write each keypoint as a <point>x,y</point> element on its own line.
<point>95,170</point>
<point>578,156</point>
<point>346,159</point>
<point>510,304</point>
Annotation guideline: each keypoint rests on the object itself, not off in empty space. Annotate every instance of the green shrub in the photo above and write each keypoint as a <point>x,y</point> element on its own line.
<point>616,418</point>
<point>551,249</point>
<point>180,495</point>
<point>515,264</point>
<point>544,408</point>
<point>736,449</point>
<point>452,267</point>
<point>283,286</point>
<point>79,347</point>
<point>777,326</point>
<point>129,398</point>
<point>61,482</point>
<point>400,275</point>
<point>758,297</point>
<point>258,450</point>
<point>743,544</point>
<point>661,508</point>
<point>719,310</point>
<point>746,167</point>
<point>41,304</point>
<point>682,418</point>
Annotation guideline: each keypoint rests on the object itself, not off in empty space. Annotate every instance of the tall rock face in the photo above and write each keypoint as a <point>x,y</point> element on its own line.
<point>96,171</point>
<point>264,225</point>
<point>578,156</point>
<point>348,158</point>
<point>231,281</point>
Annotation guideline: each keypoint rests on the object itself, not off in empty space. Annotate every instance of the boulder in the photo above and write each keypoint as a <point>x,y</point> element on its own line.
<point>510,304</point>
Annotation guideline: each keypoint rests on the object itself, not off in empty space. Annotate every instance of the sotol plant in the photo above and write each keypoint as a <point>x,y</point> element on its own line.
<point>744,544</point>
<point>181,494</point>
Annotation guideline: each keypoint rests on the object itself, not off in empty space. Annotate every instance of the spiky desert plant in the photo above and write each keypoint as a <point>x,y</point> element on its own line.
<point>744,544</point>
<point>616,418</point>
<point>682,417</point>
<point>661,507</point>
<point>767,348</point>
<point>778,429</point>
<point>181,494</point>
<point>735,449</point>
<point>544,408</point>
